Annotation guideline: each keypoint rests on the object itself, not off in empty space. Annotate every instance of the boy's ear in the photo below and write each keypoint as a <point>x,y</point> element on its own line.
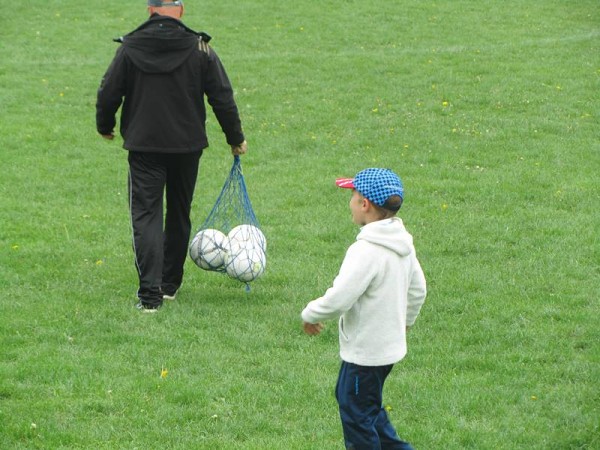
<point>366,204</point>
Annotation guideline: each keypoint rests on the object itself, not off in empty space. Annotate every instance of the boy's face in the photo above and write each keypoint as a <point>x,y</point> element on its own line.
<point>358,208</point>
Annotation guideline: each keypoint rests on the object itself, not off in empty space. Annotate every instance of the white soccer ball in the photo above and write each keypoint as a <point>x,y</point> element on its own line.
<point>208,249</point>
<point>248,236</point>
<point>245,263</point>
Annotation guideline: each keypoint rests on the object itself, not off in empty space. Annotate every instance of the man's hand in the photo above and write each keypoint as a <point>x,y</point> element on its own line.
<point>313,329</point>
<point>239,149</point>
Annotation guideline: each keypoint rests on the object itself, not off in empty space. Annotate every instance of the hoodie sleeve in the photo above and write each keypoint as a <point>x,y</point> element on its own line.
<point>350,283</point>
<point>110,94</point>
<point>219,94</point>
<point>417,290</point>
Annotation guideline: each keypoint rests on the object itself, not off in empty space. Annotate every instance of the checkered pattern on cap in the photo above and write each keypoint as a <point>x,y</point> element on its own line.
<point>377,185</point>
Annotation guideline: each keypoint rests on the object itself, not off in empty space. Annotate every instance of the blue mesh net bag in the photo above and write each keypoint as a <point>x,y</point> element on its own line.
<point>230,239</point>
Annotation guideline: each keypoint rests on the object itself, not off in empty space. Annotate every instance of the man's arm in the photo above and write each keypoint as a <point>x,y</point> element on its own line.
<point>219,94</point>
<point>110,96</point>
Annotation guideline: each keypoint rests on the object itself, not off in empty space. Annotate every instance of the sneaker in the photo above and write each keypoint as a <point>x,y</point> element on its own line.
<point>169,295</point>
<point>147,308</point>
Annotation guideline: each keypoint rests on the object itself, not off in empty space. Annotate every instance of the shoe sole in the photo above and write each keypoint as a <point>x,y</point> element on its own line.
<point>141,308</point>
<point>172,297</point>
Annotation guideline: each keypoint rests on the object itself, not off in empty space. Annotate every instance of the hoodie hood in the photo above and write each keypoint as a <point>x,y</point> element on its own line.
<point>161,44</point>
<point>388,233</point>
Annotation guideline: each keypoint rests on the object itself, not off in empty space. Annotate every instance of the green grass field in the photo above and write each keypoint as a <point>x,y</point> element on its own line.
<point>490,113</point>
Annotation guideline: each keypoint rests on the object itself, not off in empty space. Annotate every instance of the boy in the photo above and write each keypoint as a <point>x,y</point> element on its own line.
<point>377,295</point>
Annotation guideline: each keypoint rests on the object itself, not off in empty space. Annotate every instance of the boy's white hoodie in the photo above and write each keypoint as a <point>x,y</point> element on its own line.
<point>378,292</point>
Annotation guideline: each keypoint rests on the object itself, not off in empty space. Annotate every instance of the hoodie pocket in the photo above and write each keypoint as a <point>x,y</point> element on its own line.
<point>342,330</point>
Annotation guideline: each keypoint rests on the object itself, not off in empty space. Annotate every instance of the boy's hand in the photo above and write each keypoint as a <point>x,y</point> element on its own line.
<point>313,329</point>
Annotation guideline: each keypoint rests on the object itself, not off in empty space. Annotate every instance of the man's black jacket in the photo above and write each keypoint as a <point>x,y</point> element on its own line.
<point>161,74</point>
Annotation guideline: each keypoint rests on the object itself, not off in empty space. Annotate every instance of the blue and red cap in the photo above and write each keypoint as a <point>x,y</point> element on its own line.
<point>376,185</point>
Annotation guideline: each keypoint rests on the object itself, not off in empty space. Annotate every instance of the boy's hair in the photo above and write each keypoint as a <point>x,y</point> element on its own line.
<point>389,208</point>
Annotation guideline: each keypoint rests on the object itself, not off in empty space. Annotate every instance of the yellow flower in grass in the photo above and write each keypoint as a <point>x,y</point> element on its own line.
<point>163,373</point>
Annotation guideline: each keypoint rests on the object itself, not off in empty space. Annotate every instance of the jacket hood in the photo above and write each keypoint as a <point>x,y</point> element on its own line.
<point>389,233</point>
<point>161,44</point>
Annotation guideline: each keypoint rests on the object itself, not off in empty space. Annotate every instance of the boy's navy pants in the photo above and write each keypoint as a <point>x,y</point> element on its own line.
<point>160,238</point>
<point>359,393</point>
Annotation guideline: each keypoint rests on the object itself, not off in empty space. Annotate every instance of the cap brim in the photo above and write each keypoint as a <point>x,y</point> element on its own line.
<point>346,183</point>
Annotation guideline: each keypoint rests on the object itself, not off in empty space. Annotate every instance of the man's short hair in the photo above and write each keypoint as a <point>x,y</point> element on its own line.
<point>161,3</point>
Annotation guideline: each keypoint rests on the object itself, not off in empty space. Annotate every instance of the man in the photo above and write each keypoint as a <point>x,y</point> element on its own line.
<point>160,75</point>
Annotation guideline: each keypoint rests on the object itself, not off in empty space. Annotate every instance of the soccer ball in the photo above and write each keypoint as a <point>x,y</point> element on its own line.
<point>248,236</point>
<point>208,249</point>
<point>244,262</point>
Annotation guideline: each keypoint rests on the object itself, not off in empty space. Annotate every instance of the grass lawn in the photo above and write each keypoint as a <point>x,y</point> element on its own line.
<point>488,111</point>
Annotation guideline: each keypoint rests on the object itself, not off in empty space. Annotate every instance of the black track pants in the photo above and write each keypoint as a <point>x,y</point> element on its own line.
<point>160,239</point>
